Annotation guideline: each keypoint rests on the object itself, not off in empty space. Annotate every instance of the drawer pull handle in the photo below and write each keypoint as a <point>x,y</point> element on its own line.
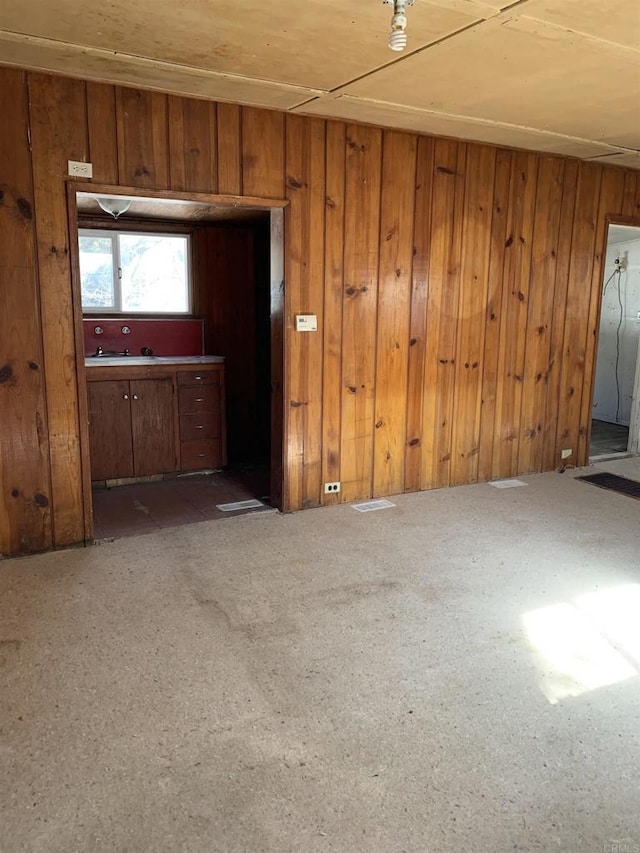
<point>199,399</point>
<point>202,454</point>
<point>197,377</point>
<point>200,427</point>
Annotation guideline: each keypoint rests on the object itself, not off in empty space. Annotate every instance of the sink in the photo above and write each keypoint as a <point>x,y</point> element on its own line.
<point>141,360</point>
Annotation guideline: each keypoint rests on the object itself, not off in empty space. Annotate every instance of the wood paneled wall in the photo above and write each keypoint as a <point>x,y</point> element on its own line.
<point>457,288</point>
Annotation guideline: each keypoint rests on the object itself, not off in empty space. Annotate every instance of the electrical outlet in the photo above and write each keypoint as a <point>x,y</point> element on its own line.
<point>79,169</point>
<point>331,488</point>
<point>566,453</point>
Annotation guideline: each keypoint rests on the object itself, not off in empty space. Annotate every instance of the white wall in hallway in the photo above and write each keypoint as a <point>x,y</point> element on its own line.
<point>605,395</point>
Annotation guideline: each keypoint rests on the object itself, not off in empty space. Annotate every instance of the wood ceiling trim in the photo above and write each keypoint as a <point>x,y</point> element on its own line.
<point>85,188</point>
<point>97,64</point>
<point>466,127</point>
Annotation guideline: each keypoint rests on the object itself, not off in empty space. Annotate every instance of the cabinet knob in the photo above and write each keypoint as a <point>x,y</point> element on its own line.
<point>200,426</point>
<point>125,396</point>
<point>199,399</point>
<point>134,396</point>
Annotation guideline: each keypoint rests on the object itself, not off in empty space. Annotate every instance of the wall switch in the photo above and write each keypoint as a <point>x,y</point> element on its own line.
<point>566,453</point>
<point>306,323</point>
<point>331,488</point>
<point>79,169</point>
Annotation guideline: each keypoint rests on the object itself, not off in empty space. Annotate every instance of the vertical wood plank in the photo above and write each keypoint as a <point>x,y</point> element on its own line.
<point>550,459</point>
<point>631,188</point>
<point>442,308</point>
<point>262,153</point>
<point>25,488</point>
<point>394,303</point>
<point>362,224</point>
<point>143,145</point>
<point>59,133</point>
<point>635,209</point>
<point>577,310</point>
<point>305,147</point>
<point>192,144</point>
<point>493,313</point>
<point>229,148</point>
<point>513,328</point>
<point>612,199</point>
<point>539,319</point>
<point>103,140</point>
<point>474,286</point>
<point>279,357</point>
<point>333,288</point>
<point>418,314</point>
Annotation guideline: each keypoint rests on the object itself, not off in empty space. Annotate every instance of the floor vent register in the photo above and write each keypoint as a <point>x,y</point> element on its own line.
<point>614,483</point>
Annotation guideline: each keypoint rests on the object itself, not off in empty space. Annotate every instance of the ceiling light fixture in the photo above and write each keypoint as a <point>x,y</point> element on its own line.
<point>398,36</point>
<point>114,206</point>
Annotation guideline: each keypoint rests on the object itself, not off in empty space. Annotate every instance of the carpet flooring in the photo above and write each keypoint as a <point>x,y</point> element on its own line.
<point>457,672</point>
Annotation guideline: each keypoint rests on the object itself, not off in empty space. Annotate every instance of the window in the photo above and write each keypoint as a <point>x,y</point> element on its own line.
<point>132,272</point>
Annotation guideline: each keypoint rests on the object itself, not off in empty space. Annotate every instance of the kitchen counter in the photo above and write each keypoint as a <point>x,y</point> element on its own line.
<point>150,360</point>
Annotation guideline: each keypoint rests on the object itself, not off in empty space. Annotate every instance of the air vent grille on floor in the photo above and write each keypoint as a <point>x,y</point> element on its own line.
<point>614,483</point>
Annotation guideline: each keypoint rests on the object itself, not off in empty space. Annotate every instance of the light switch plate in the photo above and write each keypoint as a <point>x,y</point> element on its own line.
<point>306,323</point>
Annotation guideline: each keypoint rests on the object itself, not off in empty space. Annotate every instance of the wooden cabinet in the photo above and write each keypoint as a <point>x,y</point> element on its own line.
<point>201,411</point>
<point>110,440</point>
<point>131,428</point>
<point>154,420</point>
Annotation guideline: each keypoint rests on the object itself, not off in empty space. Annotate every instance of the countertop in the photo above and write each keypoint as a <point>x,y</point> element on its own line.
<point>150,360</point>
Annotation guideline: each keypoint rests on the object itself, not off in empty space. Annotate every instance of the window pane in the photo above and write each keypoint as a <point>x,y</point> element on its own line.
<point>96,271</point>
<point>154,273</point>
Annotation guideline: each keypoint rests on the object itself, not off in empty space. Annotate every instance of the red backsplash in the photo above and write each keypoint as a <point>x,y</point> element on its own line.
<point>164,337</point>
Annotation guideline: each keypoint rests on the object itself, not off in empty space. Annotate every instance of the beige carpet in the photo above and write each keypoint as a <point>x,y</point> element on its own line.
<point>457,673</point>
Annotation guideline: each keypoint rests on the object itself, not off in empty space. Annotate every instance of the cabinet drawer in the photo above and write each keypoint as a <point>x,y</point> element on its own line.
<point>197,427</point>
<point>192,399</point>
<point>197,377</point>
<point>201,454</point>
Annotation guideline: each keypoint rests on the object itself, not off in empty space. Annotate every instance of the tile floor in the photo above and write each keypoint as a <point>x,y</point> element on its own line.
<point>146,507</point>
<point>608,438</point>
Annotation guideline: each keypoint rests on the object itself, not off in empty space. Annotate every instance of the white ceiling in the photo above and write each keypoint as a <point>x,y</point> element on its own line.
<point>622,234</point>
<point>551,75</point>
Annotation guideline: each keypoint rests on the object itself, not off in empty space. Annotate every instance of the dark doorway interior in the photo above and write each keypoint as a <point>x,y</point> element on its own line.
<point>608,438</point>
<point>233,274</point>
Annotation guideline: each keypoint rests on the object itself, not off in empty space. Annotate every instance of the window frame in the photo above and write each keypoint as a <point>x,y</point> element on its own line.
<point>114,234</point>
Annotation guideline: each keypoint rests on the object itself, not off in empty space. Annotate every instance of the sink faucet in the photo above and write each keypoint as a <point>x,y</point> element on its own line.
<point>100,352</point>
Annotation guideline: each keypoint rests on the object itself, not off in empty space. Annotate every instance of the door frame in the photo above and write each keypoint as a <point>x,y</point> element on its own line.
<point>275,207</point>
<point>633,446</point>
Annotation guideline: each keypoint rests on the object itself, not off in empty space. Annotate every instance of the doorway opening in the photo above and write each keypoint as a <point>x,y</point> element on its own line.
<point>615,423</point>
<point>184,406</point>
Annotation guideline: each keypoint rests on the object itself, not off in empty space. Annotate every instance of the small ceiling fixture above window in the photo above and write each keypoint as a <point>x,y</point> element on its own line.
<point>398,36</point>
<point>114,206</point>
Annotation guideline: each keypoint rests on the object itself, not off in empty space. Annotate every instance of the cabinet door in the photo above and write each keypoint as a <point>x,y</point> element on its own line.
<point>153,426</point>
<point>110,430</point>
